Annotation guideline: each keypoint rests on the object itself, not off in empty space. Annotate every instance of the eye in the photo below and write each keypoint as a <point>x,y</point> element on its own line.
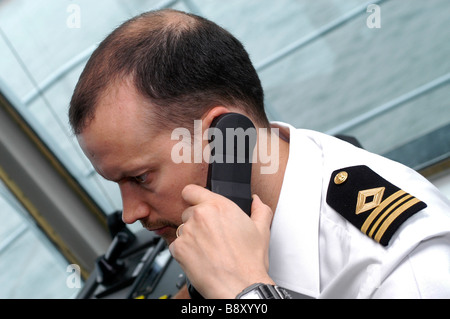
<point>141,179</point>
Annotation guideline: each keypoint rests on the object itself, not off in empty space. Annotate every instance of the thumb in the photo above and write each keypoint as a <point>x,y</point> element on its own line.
<point>261,214</point>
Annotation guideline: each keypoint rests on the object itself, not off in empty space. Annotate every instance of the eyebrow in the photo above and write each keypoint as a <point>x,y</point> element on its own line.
<point>121,177</point>
<point>131,173</point>
<point>110,179</point>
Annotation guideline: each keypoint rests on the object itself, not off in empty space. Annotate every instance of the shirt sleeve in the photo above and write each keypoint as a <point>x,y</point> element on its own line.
<point>424,273</point>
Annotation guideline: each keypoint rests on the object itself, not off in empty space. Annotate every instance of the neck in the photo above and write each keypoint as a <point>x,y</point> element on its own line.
<point>269,168</point>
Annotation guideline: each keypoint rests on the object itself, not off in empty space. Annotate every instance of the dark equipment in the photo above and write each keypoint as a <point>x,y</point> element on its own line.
<point>135,266</point>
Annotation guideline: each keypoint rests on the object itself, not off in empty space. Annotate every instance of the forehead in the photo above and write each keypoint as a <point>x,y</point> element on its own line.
<point>119,102</point>
<point>119,134</point>
<point>118,111</point>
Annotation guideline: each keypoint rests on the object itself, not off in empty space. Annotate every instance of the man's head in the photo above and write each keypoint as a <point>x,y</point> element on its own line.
<point>182,63</point>
<point>154,73</point>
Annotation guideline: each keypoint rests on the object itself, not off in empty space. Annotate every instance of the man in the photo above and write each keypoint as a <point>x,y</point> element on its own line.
<point>331,221</point>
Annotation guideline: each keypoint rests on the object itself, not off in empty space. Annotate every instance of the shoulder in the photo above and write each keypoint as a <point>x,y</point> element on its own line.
<point>401,212</point>
<point>370,202</point>
<point>379,212</point>
<point>374,194</point>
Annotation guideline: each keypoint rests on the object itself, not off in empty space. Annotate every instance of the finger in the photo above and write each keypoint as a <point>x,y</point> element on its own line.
<point>261,214</point>
<point>187,213</point>
<point>195,194</point>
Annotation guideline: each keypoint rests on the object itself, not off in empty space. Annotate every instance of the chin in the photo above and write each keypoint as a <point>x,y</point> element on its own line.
<point>169,238</point>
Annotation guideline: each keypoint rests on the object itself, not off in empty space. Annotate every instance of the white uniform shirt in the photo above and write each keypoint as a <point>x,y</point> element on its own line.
<point>317,252</point>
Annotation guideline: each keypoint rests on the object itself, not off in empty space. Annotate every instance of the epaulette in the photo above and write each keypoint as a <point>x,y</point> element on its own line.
<point>369,202</point>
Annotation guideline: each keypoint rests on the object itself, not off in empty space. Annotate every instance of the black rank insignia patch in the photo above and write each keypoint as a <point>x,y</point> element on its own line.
<point>368,201</point>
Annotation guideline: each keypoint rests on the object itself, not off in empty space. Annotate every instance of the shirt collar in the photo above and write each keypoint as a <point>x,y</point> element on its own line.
<point>294,242</point>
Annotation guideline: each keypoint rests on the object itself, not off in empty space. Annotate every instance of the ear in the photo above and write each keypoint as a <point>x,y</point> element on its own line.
<point>209,116</point>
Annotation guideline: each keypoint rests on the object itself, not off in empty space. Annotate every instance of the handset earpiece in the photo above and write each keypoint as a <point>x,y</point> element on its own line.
<point>233,138</point>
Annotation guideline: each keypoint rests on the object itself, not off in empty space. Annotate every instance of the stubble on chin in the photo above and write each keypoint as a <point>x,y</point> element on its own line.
<point>169,236</point>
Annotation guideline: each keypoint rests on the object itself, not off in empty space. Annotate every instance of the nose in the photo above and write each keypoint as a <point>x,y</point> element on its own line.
<point>134,205</point>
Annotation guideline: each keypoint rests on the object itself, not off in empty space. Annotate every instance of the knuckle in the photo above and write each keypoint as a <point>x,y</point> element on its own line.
<point>200,213</point>
<point>204,211</point>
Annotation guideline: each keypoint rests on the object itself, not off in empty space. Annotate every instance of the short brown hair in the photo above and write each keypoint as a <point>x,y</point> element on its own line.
<point>183,63</point>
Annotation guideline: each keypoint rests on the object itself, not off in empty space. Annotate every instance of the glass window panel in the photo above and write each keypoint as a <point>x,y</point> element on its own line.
<point>405,123</point>
<point>266,26</point>
<point>30,266</point>
<point>355,69</point>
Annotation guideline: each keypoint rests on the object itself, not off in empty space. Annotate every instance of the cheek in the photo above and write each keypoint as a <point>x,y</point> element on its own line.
<point>171,181</point>
<point>173,177</point>
<point>166,199</point>
<point>199,174</point>
<point>186,173</point>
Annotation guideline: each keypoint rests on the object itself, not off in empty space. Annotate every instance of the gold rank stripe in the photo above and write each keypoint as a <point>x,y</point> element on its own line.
<point>382,217</point>
<point>394,216</point>
<point>400,204</point>
<point>379,209</point>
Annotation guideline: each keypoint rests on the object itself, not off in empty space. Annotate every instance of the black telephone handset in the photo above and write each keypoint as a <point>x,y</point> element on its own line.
<point>232,140</point>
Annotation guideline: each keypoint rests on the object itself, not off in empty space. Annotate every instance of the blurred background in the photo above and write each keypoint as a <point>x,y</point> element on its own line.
<point>378,71</point>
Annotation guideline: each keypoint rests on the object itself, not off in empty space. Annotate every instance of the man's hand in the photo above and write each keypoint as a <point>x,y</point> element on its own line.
<point>220,248</point>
